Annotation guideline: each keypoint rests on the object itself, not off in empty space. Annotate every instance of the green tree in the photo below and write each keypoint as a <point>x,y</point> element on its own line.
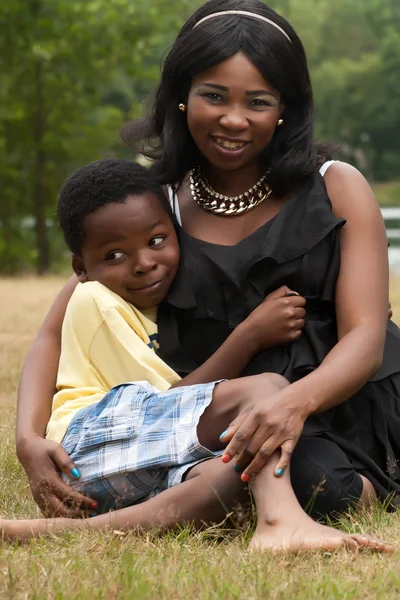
<point>70,71</point>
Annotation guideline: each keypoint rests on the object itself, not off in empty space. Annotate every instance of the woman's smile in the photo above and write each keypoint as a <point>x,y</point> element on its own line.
<point>238,115</point>
<point>229,148</point>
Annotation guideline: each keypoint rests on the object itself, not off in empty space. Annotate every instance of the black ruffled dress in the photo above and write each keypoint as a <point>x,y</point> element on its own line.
<point>218,286</point>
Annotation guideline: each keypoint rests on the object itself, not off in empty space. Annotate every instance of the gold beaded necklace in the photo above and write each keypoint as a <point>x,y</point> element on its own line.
<point>212,201</point>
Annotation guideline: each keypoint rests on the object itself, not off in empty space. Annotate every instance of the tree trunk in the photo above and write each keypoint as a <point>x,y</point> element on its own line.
<point>39,187</point>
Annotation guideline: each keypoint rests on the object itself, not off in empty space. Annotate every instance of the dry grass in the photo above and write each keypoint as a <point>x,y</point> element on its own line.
<point>179,566</point>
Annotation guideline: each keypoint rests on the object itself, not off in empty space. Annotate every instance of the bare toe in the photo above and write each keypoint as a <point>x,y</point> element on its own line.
<point>349,543</point>
<point>368,542</point>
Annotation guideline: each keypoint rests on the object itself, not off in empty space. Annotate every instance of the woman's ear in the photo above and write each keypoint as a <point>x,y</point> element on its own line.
<point>79,268</point>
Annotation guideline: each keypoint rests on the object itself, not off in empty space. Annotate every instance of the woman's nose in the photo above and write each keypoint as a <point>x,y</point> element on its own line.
<point>234,120</point>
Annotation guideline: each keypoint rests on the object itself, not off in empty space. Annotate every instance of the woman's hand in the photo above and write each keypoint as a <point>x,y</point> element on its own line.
<point>278,320</point>
<point>43,460</point>
<point>259,430</point>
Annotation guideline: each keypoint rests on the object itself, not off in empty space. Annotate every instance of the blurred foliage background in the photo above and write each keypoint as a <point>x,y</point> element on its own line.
<point>72,71</point>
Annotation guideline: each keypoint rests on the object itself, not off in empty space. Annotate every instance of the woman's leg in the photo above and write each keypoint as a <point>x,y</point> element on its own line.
<point>324,479</point>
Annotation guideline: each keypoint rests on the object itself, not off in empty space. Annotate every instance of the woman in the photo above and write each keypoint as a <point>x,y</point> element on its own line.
<point>234,116</point>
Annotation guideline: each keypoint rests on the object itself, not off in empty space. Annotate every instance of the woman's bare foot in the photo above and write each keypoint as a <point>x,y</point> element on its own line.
<point>309,535</point>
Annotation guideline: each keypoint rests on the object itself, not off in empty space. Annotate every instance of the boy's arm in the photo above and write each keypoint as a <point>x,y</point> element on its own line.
<point>228,361</point>
<point>278,320</point>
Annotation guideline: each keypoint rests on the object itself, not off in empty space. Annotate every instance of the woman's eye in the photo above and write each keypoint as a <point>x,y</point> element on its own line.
<point>259,102</point>
<point>117,255</point>
<point>156,241</point>
<point>213,96</point>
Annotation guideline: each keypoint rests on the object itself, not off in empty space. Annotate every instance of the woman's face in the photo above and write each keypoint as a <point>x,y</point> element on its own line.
<point>232,113</point>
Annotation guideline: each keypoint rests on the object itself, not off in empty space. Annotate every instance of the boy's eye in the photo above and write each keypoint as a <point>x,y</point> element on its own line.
<point>116,255</point>
<point>156,241</point>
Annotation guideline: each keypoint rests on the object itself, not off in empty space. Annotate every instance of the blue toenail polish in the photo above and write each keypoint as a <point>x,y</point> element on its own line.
<point>237,468</point>
<point>223,434</point>
<point>75,473</point>
<point>279,472</point>
<point>93,515</point>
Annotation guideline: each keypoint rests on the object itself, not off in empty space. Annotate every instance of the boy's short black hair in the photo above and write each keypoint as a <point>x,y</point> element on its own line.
<point>99,183</point>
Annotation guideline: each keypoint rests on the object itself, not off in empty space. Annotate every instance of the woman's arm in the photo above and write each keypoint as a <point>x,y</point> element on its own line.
<point>361,311</point>
<point>361,294</point>
<point>38,379</point>
<point>42,458</point>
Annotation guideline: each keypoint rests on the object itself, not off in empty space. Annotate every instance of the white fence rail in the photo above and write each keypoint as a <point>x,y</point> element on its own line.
<point>393,234</point>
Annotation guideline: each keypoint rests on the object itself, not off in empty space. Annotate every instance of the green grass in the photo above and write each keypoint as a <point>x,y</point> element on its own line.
<point>211,565</point>
<point>387,193</point>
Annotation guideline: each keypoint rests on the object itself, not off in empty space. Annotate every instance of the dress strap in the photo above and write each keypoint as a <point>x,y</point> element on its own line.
<point>326,166</point>
<point>173,200</point>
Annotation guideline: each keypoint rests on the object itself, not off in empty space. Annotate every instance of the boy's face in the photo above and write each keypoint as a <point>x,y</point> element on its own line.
<point>131,248</point>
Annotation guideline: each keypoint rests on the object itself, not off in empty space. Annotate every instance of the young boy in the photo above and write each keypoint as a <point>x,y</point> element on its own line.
<point>132,442</point>
<point>118,225</point>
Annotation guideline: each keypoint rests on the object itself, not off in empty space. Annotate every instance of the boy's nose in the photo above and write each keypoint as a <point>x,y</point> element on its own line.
<point>143,266</point>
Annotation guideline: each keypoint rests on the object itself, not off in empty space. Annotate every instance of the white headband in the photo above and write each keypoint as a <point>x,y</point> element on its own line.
<point>246,13</point>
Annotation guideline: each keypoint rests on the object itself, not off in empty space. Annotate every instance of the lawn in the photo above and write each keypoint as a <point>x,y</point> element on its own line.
<point>387,193</point>
<point>213,564</point>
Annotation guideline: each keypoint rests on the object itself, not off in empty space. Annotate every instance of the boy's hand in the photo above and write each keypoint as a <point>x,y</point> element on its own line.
<point>278,320</point>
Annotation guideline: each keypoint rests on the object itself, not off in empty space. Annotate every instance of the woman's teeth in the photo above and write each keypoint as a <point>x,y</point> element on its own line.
<point>230,145</point>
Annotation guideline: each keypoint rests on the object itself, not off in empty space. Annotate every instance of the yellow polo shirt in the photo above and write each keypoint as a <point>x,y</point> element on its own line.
<point>105,342</point>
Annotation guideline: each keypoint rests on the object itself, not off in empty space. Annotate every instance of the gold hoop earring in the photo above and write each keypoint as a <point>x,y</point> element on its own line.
<point>182,107</point>
<point>280,122</point>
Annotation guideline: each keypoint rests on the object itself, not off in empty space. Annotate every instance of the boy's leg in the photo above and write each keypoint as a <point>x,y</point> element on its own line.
<point>281,522</point>
<point>283,525</point>
<point>211,490</point>
<point>229,398</point>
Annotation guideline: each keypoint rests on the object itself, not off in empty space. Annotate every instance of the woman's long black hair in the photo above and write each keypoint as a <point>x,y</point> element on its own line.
<point>292,154</point>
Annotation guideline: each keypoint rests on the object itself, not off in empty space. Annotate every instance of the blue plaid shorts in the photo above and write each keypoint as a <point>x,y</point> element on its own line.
<point>136,442</point>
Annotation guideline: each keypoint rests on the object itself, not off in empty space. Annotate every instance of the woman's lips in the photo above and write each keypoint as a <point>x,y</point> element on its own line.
<point>229,147</point>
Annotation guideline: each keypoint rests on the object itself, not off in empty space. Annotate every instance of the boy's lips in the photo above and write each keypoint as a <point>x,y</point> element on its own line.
<point>147,288</point>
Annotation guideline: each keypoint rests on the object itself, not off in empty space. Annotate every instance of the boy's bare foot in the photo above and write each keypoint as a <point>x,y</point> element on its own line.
<point>10,531</point>
<point>309,535</point>
<point>23,529</point>
<point>306,535</point>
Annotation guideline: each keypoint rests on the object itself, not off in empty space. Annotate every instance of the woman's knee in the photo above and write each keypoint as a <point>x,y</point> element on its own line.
<point>323,478</point>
